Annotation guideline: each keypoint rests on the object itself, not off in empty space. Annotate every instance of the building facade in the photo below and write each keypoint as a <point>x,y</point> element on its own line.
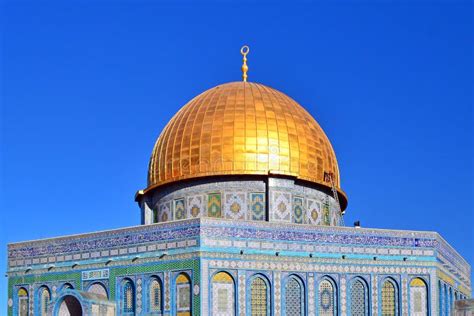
<point>242,215</point>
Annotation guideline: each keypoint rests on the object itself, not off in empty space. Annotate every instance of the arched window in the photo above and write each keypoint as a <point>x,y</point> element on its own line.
<point>154,296</point>
<point>359,297</point>
<point>259,298</point>
<point>183,295</point>
<point>223,303</point>
<point>294,297</point>
<point>128,297</point>
<point>327,298</point>
<point>99,289</point>
<point>23,306</point>
<point>418,298</point>
<point>389,300</point>
<point>44,298</point>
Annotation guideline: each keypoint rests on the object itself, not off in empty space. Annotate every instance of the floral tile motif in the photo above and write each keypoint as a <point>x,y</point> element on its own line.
<point>298,210</point>
<point>257,206</point>
<point>195,206</point>
<point>179,209</point>
<point>214,205</point>
<point>235,206</point>
<point>326,298</point>
<point>165,212</point>
<point>281,206</point>
<point>313,212</point>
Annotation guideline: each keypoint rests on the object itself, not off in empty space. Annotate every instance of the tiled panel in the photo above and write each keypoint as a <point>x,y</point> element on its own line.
<point>179,209</point>
<point>313,212</point>
<point>281,206</point>
<point>165,212</point>
<point>257,206</point>
<point>195,206</point>
<point>298,210</point>
<point>235,205</point>
<point>214,205</point>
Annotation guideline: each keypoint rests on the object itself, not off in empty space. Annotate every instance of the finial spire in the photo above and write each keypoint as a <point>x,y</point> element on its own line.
<point>244,51</point>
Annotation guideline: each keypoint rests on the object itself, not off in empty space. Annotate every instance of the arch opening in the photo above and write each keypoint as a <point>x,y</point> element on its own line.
<point>70,306</point>
<point>223,302</point>
<point>183,299</point>
<point>259,297</point>
<point>418,297</point>
<point>294,297</point>
<point>389,298</point>
<point>99,289</point>
<point>327,298</point>
<point>23,302</point>
<point>358,298</point>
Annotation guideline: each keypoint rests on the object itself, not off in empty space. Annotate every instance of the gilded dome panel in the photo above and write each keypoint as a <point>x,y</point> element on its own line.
<point>242,128</point>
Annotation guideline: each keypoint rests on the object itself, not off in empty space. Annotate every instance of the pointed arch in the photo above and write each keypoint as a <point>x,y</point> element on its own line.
<point>155,295</point>
<point>99,289</point>
<point>389,297</point>
<point>183,299</point>
<point>359,297</point>
<point>418,293</point>
<point>327,297</point>
<point>23,302</point>
<point>69,304</point>
<point>128,297</point>
<point>259,291</point>
<point>223,294</point>
<point>294,296</point>
<point>44,298</point>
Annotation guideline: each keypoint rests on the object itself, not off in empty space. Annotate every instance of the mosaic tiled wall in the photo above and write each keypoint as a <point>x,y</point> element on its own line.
<point>341,288</point>
<point>227,280</point>
<point>243,200</point>
<point>223,299</point>
<point>273,249</point>
<point>139,275</point>
<point>196,206</point>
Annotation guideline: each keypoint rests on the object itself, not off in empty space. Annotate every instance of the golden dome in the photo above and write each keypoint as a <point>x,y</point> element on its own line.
<point>242,128</point>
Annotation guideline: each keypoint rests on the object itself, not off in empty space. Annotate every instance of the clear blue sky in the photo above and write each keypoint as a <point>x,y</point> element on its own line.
<point>87,86</point>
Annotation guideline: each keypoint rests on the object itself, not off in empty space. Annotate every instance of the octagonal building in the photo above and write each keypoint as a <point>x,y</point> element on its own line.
<point>242,215</point>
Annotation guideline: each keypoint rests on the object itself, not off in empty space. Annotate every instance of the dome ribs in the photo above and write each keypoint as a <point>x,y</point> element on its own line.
<point>242,129</point>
